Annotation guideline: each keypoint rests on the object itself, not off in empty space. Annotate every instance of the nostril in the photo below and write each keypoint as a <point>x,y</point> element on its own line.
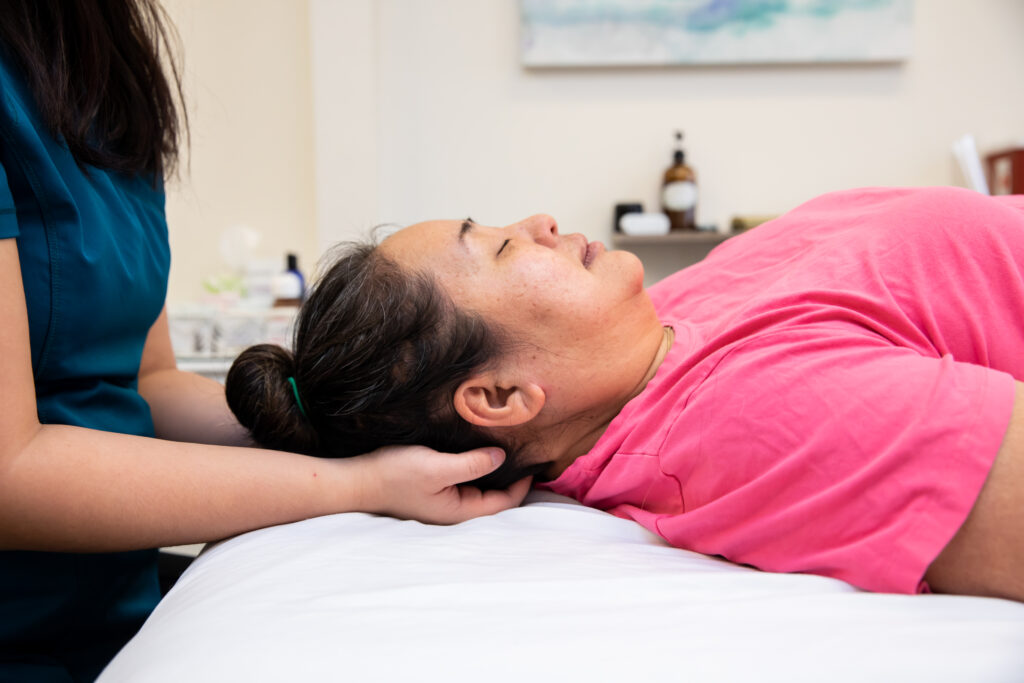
<point>547,225</point>
<point>552,224</point>
<point>540,228</point>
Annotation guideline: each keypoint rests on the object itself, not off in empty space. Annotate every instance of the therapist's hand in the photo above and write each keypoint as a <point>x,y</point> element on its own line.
<point>415,482</point>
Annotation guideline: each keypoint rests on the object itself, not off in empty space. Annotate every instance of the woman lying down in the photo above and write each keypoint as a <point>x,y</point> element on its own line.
<point>835,392</point>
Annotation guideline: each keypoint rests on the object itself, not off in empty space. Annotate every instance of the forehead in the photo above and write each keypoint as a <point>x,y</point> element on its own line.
<point>429,236</point>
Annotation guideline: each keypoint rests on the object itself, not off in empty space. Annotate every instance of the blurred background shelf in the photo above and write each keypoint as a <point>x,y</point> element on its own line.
<point>696,237</point>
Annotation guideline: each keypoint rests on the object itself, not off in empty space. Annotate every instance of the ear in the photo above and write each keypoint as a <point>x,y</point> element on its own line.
<point>485,401</point>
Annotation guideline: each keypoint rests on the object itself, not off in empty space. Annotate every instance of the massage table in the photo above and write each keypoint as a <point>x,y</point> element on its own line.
<point>549,591</point>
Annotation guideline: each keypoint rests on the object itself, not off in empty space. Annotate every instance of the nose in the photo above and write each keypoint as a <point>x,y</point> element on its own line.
<point>541,228</point>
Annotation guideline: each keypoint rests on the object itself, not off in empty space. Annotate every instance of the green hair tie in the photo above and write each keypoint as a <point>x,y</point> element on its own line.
<point>298,401</point>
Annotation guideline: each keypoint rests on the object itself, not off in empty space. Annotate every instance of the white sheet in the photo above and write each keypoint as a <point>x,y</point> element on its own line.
<point>549,591</point>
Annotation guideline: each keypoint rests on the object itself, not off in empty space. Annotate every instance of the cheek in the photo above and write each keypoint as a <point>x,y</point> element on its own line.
<point>562,311</point>
<point>533,296</point>
<point>550,292</point>
<point>527,283</point>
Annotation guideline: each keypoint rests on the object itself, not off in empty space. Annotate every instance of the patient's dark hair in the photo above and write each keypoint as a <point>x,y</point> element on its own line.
<point>377,356</point>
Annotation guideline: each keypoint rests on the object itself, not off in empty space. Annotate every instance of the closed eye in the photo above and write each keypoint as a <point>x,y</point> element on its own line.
<point>503,245</point>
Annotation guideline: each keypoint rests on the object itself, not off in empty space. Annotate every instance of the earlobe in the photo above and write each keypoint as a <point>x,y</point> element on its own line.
<point>485,403</point>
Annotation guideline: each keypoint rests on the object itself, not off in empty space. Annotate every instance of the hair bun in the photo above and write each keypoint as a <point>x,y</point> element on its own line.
<point>261,397</point>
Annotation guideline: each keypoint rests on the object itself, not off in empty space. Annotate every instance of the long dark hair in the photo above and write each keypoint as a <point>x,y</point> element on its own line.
<point>96,71</point>
<point>377,356</point>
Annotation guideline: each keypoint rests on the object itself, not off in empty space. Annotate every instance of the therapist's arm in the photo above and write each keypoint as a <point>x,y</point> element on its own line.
<point>73,489</point>
<point>185,406</point>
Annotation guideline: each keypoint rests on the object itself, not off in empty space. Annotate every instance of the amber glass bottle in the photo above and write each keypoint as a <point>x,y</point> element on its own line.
<point>679,190</point>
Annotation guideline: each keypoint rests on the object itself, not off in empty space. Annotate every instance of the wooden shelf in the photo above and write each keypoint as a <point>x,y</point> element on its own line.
<point>695,237</point>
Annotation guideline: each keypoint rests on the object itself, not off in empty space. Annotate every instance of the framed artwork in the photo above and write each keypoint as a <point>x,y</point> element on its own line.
<point>568,33</point>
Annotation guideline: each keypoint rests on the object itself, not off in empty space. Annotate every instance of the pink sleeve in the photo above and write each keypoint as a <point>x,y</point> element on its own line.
<point>1013,200</point>
<point>833,452</point>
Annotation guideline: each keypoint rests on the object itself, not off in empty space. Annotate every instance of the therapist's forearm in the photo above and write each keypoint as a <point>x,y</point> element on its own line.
<point>189,407</point>
<point>80,490</point>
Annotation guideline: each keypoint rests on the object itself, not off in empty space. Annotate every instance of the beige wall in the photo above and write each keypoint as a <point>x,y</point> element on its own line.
<point>462,129</point>
<point>249,96</point>
<point>420,109</point>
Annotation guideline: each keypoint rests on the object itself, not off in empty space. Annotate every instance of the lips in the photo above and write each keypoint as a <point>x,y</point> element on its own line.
<point>590,252</point>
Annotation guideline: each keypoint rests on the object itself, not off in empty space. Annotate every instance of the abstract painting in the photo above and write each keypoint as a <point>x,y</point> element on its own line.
<point>560,33</point>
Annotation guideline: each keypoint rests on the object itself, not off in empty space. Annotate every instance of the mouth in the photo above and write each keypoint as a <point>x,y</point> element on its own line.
<point>591,250</point>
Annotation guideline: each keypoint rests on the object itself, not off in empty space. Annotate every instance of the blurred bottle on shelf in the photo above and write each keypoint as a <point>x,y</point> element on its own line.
<point>679,190</point>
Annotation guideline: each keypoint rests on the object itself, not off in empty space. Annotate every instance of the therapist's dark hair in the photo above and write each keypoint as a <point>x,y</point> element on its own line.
<point>377,356</point>
<point>96,69</point>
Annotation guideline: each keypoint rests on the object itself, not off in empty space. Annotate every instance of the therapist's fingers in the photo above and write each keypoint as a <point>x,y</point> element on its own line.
<point>474,502</point>
<point>415,482</point>
<point>456,468</point>
<point>466,501</point>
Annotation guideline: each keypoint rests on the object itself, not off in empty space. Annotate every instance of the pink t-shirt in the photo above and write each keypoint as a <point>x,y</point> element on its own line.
<point>840,383</point>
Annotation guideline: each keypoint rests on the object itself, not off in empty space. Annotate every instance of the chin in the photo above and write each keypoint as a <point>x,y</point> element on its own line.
<point>633,268</point>
<point>623,273</point>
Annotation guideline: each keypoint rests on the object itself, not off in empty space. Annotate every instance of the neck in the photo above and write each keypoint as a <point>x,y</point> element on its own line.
<point>583,433</point>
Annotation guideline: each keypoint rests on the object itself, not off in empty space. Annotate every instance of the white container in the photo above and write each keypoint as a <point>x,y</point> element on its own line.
<point>259,282</point>
<point>644,224</point>
<point>199,332</point>
<point>191,329</point>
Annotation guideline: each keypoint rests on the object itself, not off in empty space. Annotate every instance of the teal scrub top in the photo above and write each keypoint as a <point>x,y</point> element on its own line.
<point>94,259</point>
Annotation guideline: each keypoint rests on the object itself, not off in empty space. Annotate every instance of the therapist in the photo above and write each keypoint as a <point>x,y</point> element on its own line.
<point>106,449</point>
